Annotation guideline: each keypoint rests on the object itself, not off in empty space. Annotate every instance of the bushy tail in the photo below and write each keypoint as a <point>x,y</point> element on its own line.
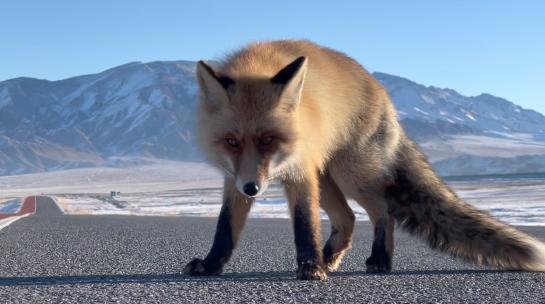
<point>422,204</point>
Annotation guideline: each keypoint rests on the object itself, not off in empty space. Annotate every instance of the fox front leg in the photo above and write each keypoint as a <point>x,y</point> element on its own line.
<point>303,198</point>
<point>233,214</point>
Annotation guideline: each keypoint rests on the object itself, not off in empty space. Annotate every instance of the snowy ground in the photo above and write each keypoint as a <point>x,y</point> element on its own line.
<point>510,145</point>
<point>516,202</point>
<point>10,205</point>
<point>195,190</point>
<point>161,176</point>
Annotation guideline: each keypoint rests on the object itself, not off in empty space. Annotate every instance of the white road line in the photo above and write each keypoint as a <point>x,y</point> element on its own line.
<point>7,221</point>
<point>10,220</point>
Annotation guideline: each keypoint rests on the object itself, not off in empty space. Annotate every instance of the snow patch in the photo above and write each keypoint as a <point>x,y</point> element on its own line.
<point>513,201</point>
<point>470,117</point>
<point>5,99</point>
<point>156,98</point>
<point>195,189</point>
<point>427,99</point>
<point>89,101</point>
<point>420,111</point>
<point>10,206</point>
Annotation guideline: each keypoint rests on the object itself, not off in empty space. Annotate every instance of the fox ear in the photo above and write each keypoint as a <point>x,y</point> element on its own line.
<point>213,88</point>
<point>292,78</point>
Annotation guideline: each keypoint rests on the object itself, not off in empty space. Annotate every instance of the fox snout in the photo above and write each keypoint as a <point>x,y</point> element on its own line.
<point>251,188</point>
<point>251,171</point>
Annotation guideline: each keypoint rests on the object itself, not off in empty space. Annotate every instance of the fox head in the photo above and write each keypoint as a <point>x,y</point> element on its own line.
<point>247,124</point>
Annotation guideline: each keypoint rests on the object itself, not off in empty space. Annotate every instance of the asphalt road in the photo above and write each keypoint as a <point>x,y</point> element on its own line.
<point>51,257</point>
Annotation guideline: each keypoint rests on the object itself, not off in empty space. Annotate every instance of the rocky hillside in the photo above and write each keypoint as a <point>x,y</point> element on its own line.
<point>138,111</point>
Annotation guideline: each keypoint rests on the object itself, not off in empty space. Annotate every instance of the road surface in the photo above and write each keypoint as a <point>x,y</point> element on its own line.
<point>57,258</point>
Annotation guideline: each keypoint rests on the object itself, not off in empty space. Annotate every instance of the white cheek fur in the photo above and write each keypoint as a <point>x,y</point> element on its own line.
<point>229,164</point>
<point>226,165</point>
<point>276,165</point>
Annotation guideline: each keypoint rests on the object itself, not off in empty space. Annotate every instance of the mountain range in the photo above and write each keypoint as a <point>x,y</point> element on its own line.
<point>137,112</point>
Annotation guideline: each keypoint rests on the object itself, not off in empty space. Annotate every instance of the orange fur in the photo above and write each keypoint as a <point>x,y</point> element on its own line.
<point>331,122</point>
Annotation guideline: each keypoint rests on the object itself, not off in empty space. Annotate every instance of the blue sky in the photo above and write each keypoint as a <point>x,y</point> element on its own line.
<point>496,47</point>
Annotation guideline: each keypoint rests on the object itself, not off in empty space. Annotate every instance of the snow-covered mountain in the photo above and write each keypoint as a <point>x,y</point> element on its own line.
<point>451,113</point>
<point>134,110</point>
<point>448,125</point>
<point>140,111</point>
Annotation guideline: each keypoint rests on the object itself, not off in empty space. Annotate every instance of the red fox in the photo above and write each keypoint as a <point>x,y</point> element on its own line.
<point>317,121</point>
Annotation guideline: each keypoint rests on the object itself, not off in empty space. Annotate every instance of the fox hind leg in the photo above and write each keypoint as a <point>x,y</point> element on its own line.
<point>342,220</point>
<point>381,253</point>
<point>382,250</point>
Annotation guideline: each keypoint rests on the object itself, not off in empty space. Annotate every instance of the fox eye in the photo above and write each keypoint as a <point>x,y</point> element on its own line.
<point>266,140</point>
<point>232,142</point>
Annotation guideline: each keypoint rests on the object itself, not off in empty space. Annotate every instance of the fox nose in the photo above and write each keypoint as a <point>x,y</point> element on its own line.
<point>251,189</point>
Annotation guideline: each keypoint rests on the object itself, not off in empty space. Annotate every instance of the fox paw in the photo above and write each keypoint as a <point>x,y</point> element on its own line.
<point>379,264</point>
<point>311,271</point>
<point>333,261</point>
<point>197,267</point>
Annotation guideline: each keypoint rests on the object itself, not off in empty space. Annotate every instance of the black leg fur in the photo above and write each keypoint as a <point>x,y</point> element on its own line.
<point>380,260</point>
<point>221,249</point>
<point>309,258</point>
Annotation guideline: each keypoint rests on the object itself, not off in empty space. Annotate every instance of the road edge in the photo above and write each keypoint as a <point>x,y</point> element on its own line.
<point>17,216</point>
<point>56,201</point>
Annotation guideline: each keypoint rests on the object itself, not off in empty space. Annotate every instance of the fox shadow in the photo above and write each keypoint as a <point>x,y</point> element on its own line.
<point>228,277</point>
